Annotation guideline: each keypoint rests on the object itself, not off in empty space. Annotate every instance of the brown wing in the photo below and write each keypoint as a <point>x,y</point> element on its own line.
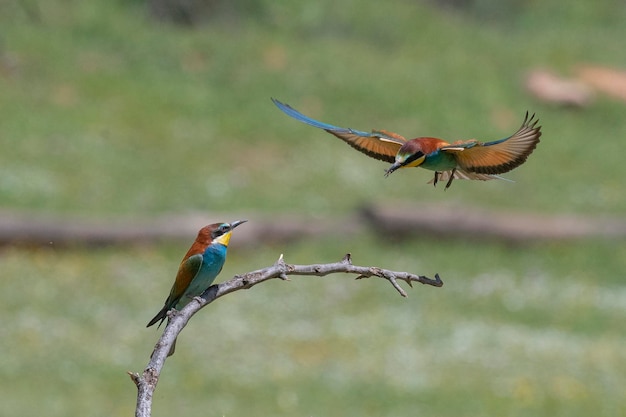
<point>187,270</point>
<point>378,144</point>
<point>498,156</point>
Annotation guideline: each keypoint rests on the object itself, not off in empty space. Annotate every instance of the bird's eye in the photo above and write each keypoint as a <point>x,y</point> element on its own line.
<point>413,157</point>
<point>222,229</point>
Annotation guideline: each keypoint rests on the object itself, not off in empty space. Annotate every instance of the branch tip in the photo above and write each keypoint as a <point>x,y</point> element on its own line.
<point>280,261</point>
<point>392,280</point>
<point>134,376</point>
<point>347,259</point>
<point>436,282</point>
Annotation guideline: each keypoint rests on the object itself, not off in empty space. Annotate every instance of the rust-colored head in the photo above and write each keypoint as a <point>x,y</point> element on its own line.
<point>213,233</point>
<point>414,152</point>
<point>217,233</point>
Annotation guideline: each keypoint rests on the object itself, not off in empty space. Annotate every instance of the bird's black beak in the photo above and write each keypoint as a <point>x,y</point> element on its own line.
<point>236,223</point>
<point>392,168</point>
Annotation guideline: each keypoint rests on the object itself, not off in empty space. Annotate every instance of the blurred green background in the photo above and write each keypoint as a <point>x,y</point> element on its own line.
<point>107,111</point>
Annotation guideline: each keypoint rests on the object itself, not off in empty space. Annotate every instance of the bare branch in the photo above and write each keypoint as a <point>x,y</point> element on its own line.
<point>146,383</point>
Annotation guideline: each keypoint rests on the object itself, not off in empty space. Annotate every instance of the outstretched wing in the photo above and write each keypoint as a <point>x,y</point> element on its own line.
<point>378,144</point>
<point>498,156</point>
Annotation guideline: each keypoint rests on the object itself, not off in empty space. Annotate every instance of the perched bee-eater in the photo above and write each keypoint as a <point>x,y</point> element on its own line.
<point>198,269</point>
<point>463,159</point>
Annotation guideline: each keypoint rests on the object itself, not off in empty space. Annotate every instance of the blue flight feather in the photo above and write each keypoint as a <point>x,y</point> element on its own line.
<point>290,111</point>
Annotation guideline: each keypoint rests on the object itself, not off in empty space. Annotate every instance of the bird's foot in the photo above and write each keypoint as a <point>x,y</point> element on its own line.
<point>436,180</point>
<point>449,183</point>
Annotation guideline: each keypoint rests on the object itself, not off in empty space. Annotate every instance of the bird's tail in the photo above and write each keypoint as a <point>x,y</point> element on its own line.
<point>460,174</point>
<point>161,315</point>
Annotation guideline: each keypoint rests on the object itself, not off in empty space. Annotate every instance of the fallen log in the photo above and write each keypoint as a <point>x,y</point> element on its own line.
<point>395,221</point>
<point>445,221</point>
<point>45,229</point>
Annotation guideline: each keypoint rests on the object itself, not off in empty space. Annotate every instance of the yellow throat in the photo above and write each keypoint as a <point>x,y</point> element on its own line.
<point>223,239</point>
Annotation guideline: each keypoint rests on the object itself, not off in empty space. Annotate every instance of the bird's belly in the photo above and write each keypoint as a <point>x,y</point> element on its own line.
<point>439,162</point>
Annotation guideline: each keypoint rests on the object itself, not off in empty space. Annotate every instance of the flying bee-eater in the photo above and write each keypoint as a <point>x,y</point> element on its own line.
<point>463,159</point>
<point>198,269</point>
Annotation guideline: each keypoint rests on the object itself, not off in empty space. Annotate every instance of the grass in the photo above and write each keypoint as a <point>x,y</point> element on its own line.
<point>117,97</point>
<point>530,333</point>
<point>107,113</point>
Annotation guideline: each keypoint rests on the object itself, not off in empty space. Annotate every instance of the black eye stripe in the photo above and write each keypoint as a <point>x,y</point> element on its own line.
<point>222,229</point>
<point>413,157</point>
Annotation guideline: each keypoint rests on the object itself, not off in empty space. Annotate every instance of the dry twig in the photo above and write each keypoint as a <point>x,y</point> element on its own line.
<point>147,381</point>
